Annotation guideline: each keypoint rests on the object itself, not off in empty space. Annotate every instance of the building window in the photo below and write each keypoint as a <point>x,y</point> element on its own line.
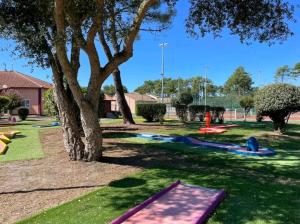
<point>25,103</point>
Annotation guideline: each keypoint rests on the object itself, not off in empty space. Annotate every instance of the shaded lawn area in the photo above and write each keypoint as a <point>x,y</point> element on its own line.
<point>260,190</point>
<point>26,145</point>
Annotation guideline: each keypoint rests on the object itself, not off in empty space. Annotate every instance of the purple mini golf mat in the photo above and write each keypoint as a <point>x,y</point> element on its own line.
<point>178,203</point>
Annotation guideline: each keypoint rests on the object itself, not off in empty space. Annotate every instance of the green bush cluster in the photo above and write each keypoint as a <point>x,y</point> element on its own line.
<point>197,110</point>
<point>23,113</point>
<point>151,111</point>
<point>14,98</point>
<point>217,114</point>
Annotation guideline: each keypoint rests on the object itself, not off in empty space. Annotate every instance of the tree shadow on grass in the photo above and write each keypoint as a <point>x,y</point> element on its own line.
<point>127,182</point>
<point>248,199</point>
<point>259,189</point>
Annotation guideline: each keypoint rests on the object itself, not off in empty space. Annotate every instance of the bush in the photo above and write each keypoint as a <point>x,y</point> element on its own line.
<point>14,99</point>
<point>199,110</point>
<point>4,100</point>
<point>151,112</point>
<point>181,112</point>
<point>278,101</point>
<point>185,98</point>
<point>217,114</point>
<point>23,113</point>
<point>50,108</point>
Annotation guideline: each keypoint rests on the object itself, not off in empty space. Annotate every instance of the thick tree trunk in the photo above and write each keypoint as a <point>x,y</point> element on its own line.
<point>71,135</point>
<point>92,132</point>
<point>279,125</point>
<point>121,100</point>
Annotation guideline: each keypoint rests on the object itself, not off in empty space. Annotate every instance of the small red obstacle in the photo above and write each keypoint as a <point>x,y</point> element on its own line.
<point>212,130</point>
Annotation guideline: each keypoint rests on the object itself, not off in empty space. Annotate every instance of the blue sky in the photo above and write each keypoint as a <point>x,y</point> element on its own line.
<point>187,57</point>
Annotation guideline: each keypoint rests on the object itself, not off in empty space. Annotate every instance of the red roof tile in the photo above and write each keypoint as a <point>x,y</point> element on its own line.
<point>140,97</point>
<point>13,79</point>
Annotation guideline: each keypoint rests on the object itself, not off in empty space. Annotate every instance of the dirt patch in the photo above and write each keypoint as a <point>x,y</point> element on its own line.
<point>28,187</point>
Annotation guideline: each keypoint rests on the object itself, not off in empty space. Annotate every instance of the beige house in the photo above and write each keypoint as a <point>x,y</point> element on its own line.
<point>133,99</point>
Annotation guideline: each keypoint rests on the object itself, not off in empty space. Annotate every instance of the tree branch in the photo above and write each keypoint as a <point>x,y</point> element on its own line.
<point>127,51</point>
<point>60,44</point>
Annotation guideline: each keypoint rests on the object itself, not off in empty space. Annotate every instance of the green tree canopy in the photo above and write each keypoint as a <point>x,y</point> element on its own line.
<point>278,101</point>
<point>247,102</point>
<point>14,99</point>
<point>282,72</point>
<point>173,87</point>
<point>239,82</point>
<point>296,70</point>
<point>111,90</point>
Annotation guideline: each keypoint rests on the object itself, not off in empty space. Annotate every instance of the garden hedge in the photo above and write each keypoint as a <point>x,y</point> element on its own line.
<point>151,111</point>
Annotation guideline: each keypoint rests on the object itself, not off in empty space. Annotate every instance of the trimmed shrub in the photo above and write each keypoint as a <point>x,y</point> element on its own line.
<point>217,114</point>
<point>151,111</point>
<point>278,101</point>
<point>181,112</point>
<point>199,110</point>
<point>23,113</point>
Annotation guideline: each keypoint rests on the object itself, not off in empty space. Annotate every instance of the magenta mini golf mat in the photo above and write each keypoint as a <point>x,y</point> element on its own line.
<point>178,203</point>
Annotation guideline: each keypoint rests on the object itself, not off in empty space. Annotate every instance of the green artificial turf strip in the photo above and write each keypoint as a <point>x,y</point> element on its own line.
<point>260,190</point>
<point>25,145</point>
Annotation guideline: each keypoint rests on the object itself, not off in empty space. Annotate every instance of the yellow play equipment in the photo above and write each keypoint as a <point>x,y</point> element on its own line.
<point>10,134</point>
<point>3,148</point>
<point>4,139</point>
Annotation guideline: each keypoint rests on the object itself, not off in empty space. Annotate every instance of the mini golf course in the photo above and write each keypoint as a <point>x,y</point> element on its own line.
<point>232,148</point>
<point>178,203</point>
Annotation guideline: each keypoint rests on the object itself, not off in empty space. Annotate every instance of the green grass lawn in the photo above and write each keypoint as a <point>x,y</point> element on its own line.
<point>260,190</point>
<point>26,145</point>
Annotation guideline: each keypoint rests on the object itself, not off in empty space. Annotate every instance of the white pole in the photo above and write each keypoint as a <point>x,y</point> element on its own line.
<point>162,45</point>
<point>205,85</point>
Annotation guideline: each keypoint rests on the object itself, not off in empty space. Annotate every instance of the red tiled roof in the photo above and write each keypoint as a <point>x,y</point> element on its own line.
<point>140,97</point>
<point>13,79</point>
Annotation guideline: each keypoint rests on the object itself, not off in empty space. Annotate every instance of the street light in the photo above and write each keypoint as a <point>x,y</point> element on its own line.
<point>162,45</point>
<point>205,85</point>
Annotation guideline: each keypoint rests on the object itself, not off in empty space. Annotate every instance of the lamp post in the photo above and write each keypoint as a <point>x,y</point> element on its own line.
<point>205,85</point>
<point>162,45</point>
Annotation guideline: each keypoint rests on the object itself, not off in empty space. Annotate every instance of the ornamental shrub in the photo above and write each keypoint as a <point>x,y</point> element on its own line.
<point>278,101</point>
<point>197,110</point>
<point>217,114</point>
<point>151,111</point>
<point>23,113</point>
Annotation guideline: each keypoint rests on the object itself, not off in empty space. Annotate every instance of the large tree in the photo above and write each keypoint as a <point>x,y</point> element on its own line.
<point>239,82</point>
<point>58,31</point>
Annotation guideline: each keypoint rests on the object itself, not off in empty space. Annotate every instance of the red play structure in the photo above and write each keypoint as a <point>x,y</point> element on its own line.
<point>218,129</point>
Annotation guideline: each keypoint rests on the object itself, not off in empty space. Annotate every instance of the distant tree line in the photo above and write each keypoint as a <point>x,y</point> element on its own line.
<point>239,83</point>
